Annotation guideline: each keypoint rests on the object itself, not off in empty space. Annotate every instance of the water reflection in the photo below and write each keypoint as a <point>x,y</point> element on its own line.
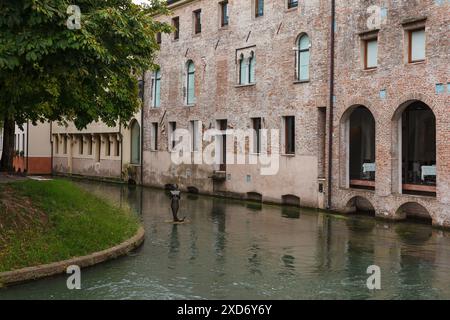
<point>226,251</point>
<point>290,212</point>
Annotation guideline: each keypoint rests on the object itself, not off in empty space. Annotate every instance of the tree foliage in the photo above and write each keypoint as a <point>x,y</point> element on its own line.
<point>49,72</point>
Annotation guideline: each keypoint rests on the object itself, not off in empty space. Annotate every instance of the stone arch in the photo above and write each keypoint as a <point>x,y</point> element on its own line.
<point>397,136</point>
<point>192,189</point>
<point>414,210</point>
<point>409,98</point>
<point>291,200</point>
<point>254,196</point>
<point>344,144</point>
<point>300,35</point>
<point>359,204</point>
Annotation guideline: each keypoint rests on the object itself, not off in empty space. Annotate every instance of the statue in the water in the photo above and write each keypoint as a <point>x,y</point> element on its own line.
<point>175,204</point>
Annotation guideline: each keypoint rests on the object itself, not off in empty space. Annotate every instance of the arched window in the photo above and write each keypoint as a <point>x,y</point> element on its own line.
<point>303,56</point>
<point>135,142</point>
<point>362,149</point>
<point>190,85</point>
<point>157,89</point>
<point>418,149</point>
<point>251,67</point>
<point>242,70</point>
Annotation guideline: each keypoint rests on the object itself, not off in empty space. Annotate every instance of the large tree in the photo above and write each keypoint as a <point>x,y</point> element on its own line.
<point>50,72</point>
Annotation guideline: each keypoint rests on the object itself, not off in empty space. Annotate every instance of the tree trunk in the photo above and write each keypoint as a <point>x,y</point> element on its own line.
<point>9,128</point>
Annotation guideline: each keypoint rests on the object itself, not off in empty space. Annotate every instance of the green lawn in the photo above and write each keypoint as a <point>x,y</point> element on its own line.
<point>49,221</point>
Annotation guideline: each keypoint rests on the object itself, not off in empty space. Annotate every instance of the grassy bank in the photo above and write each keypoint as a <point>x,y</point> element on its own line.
<point>48,221</point>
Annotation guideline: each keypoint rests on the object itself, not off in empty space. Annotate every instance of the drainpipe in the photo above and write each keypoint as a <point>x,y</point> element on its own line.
<point>51,148</point>
<point>331,113</point>
<point>121,149</point>
<point>28,143</point>
<point>142,129</point>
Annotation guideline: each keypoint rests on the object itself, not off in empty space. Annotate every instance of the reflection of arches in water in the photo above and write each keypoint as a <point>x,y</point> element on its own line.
<point>417,257</point>
<point>192,196</point>
<point>255,206</point>
<point>414,210</point>
<point>413,234</point>
<point>360,205</point>
<point>290,212</point>
<point>360,225</point>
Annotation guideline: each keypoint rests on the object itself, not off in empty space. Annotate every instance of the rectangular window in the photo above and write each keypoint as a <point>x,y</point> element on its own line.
<point>197,21</point>
<point>292,4</point>
<point>80,145</point>
<point>224,13</point>
<point>416,45</point>
<point>371,54</point>
<point>108,147</point>
<point>243,70</point>
<point>194,134</point>
<point>98,149</point>
<point>251,67</point>
<point>90,146</point>
<point>56,144</point>
<point>256,122</point>
<point>259,8</point>
<point>172,128</point>
<point>154,137</point>
<point>289,134</point>
<point>65,145</point>
<point>156,89</point>
<point>176,25</point>
<point>190,84</point>
<point>117,148</point>
<point>23,142</point>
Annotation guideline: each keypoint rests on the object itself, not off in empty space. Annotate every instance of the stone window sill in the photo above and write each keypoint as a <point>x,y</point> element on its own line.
<point>301,81</point>
<point>413,63</point>
<point>245,85</point>
<point>289,155</point>
<point>293,9</point>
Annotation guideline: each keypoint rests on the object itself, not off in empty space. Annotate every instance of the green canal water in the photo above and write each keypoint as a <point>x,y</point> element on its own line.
<point>240,250</point>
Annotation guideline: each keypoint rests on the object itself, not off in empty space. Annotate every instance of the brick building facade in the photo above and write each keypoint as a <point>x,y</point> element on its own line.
<point>390,136</point>
<point>406,94</point>
<point>223,98</point>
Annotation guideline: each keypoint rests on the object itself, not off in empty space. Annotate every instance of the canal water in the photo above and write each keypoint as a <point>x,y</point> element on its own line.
<point>241,250</point>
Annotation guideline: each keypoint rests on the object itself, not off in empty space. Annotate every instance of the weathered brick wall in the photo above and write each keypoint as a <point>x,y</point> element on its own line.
<point>403,82</point>
<point>274,95</point>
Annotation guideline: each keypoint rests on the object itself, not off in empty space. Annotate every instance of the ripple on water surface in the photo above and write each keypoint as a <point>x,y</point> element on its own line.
<point>239,250</point>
